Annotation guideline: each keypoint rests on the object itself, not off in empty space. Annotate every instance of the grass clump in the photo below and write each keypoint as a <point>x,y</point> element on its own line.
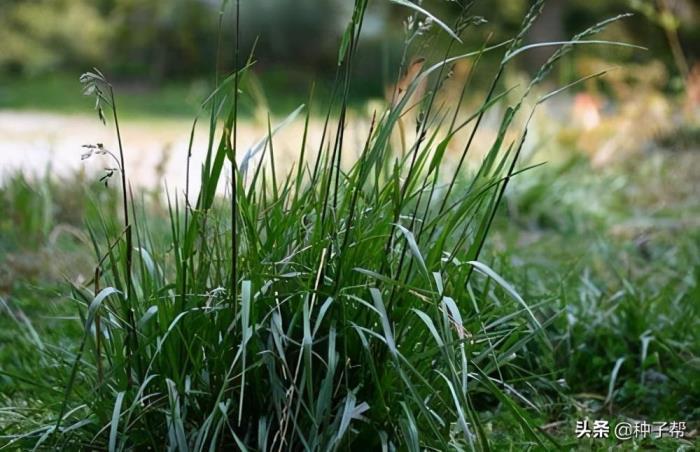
<point>328,308</point>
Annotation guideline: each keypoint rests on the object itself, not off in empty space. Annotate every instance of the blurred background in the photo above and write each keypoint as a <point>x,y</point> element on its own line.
<point>164,50</point>
<point>161,56</point>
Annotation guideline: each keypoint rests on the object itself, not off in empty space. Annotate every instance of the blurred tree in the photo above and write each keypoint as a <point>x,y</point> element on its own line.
<point>161,39</point>
<point>549,27</point>
<point>297,32</point>
<point>40,35</point>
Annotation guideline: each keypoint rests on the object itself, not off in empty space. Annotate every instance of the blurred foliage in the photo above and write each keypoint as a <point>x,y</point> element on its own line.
<point>40,35</point>
<point>165,39</point>
<point>160,38</point>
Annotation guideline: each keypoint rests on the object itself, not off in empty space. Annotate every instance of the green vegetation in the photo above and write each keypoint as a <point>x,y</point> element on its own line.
<point>612,289</point>
<point>61,93</point>
<point>394,304</point>
<point>157,51</point>
<point>623,265</point>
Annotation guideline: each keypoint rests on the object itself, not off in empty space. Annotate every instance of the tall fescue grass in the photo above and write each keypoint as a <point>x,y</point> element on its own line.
<point>327,308</point>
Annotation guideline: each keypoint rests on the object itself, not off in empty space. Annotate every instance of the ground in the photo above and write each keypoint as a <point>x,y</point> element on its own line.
<point>610,256</point>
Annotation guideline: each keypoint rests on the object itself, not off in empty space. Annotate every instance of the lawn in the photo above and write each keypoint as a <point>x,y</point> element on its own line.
<point>616,283</point>
<point>60,92</point>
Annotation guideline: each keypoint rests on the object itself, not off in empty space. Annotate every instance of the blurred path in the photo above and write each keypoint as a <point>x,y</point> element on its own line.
<point>155,150</point>
<point>38,142</point>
